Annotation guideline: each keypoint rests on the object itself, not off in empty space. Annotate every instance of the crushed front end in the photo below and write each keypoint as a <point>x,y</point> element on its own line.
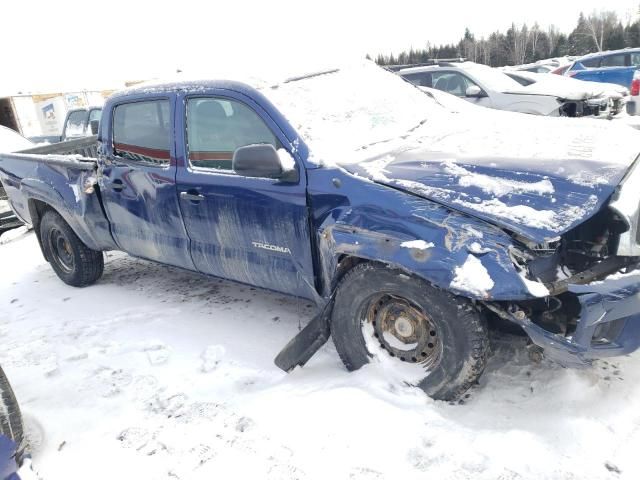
<point>600,319</point>
<point>592,278</point>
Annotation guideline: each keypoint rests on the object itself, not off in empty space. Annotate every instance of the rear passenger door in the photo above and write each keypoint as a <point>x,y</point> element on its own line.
<point>138,182</point>
<point>252,230</point>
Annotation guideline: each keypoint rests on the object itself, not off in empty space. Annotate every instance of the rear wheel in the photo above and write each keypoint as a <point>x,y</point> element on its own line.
<point>75,263</point>
<point>10,417</point>
<point>418,334</point>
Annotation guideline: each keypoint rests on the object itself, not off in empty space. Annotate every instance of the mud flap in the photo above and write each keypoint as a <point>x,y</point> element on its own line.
<point>307,342</point>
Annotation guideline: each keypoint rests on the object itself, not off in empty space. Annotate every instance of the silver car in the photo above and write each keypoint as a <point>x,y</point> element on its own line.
<point>488,87</point>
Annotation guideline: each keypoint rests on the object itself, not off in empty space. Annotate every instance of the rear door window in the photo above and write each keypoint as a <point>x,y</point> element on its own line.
<point>635,59</point>
<point>142,133</point>
<point>617,60</point>
<point>421,79</point>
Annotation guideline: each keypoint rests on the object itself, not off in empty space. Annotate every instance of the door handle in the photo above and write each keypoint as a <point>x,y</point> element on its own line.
<point>192,196</point>
<point>117,185</point>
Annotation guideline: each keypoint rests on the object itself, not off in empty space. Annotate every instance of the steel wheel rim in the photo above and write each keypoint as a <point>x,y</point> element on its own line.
<point>403,330</point>
<point>61,250</point>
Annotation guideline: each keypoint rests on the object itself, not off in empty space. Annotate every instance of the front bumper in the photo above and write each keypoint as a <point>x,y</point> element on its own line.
<point>609,323</point>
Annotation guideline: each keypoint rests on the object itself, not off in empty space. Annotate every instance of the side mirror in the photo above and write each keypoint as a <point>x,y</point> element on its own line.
<point>258,160</point>
<point>95,126</point>
<point>474,91</point>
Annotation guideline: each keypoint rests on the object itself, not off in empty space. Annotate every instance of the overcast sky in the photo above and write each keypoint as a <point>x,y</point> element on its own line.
<point>76,43</point>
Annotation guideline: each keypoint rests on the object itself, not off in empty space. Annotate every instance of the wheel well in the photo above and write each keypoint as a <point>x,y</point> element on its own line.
<point>345,263</point>
<point>37,209</point>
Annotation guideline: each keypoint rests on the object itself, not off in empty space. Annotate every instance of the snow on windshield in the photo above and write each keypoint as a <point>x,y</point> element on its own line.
<point>491,78</point>
<point>11,141</point>
<point>341,112</point>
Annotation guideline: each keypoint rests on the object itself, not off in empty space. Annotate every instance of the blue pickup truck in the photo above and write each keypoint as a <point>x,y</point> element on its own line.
<point>615,66</point>
<point>412,224</point>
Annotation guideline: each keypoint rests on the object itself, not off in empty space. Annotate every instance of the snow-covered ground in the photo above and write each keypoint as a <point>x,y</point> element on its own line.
<point>157,373</point>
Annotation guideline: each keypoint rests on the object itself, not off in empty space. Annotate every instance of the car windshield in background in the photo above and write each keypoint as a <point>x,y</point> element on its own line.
<point>75,123</point>
<point>339,112</point>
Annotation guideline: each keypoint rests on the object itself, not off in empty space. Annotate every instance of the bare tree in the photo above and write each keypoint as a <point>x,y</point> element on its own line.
<point>552,34</point>
<point>519,41</point>
<point>598,25</point>
<point>485,51</point>
<point>535,36</point>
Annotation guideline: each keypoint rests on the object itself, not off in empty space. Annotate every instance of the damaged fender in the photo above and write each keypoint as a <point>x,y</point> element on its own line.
<point>384,224</point>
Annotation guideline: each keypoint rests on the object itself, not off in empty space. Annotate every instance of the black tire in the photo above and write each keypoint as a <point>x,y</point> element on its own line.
<point>11,425</point>
<point>75,263</point>
<point>447,342</point>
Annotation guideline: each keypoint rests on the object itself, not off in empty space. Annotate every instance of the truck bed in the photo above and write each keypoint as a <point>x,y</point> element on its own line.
<point>62,175</point>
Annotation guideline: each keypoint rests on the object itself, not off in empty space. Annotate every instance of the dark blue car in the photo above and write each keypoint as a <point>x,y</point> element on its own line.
<point>412,221</point>
<point>12,442</point>
<point>616,66</point>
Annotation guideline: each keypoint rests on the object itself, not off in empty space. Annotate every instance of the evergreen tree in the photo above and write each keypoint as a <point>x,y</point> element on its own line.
<point>520,44</point>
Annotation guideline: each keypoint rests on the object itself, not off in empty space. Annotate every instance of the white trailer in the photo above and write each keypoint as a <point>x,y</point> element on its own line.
<point>41,116</point>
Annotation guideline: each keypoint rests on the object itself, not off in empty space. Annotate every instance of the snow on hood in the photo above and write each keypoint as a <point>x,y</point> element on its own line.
<point>567,87</point>
<point>538,176</point>
<point>341,110</point>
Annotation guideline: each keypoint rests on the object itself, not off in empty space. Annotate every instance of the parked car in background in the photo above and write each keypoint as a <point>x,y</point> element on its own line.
<point>560,70</point>
<point>546,65</point>
<point>535,68</point>
<point>10,141</point>
<point>81,122</point>
<point>616,66</point>
<point>489,87</point>
<point>409,224</point>
<point>604,100</point>
<point>12,438</point>
<point>78,123</point>
<point>40,116</point>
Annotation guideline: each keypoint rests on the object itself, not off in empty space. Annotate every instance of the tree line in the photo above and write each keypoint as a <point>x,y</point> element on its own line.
<point>598,31</point>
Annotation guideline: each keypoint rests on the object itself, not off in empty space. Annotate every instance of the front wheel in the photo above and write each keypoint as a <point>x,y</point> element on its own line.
<point>75,263</point>
<point>418,334</point>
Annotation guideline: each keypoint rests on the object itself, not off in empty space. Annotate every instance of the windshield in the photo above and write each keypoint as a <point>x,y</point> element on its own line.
<point>340,112</point>
<point>491,78</point>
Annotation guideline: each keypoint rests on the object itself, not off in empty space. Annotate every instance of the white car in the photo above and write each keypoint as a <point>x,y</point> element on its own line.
<point>488,87</point>
<point>10,141</point>
<point>602,99</point>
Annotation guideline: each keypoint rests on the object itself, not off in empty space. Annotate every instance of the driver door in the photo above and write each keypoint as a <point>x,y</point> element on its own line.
<point>252,230</point>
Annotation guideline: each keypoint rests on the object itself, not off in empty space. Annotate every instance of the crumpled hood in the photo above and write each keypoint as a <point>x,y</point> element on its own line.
<point>566,87</point>
<point>538,177</point>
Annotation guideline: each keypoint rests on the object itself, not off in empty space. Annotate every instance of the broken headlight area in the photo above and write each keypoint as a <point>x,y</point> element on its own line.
<point>583,108</point>
<point>580,316</point>
<point>584,323</point>
<point>581,255</point>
